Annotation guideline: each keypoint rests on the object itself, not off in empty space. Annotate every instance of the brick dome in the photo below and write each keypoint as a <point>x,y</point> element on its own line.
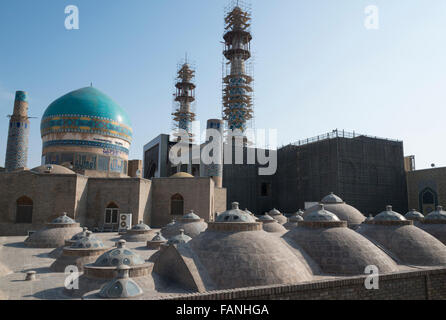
<point>88,242</point>
<point>83,251</point>
<point>414,215</point>
<point>191,223</point>
<point>179,238</point>
<point>320,215</point>
<point>54,234</point>
<point>221,258</point>
<point>270,224</point>
<point>405,243</point>
<point>293,220</point>
<point>182,175</point>
<point>52,169</point>
<point>122,287</point>
<point>119,256</point>
<point>140,232</point>
<point>342,210</point>
<point>235,215</point>
<point>339,250</point>
<point>389,215</point>
<point>438,214</point>
<point>278,216</point>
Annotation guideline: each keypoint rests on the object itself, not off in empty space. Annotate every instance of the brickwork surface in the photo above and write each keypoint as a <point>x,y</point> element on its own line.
<point>341,251</point>
<point>414,285</point>
<point>407,243</point>
<point>408,283</point>
<point>86,198</point>
<point>417,181</point>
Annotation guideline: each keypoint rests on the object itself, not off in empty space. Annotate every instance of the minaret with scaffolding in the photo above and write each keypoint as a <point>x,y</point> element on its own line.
<point>184,97</point>
<point>237,83</point>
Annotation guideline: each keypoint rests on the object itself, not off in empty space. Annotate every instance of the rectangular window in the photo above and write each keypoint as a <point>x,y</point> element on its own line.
<point>108,213</point>
<point>111,216</point>
<point>114,216</point>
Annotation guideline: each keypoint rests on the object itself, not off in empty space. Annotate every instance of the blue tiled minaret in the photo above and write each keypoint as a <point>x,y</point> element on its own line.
<point>17,147</point>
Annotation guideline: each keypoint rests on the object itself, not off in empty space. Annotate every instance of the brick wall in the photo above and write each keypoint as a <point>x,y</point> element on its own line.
<point>125,193</point>
<point>419,180</point>
<point>220,200</point>
<point>51,194</point>
<point>196,193</point>
<point>410,285</point>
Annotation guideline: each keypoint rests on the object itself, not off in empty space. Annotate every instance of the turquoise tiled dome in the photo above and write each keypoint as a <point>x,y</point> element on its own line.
<point>88,101</point>
<point>84,110</point>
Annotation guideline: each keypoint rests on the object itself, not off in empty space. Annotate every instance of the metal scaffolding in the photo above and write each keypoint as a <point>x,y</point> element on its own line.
<point>184,97</point>
<point>237,98</point>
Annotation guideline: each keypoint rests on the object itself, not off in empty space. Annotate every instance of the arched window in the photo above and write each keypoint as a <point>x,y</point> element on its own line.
<point>428,200</point>
<point>177,205</point>
<point>428,197</point>
<point>24,211</point>
<point>111,213</point>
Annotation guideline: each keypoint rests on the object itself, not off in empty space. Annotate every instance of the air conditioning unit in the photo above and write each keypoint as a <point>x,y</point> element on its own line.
<point>125,222</point>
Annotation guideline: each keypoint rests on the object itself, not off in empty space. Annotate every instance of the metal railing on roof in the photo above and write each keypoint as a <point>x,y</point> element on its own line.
<point>337,134</point>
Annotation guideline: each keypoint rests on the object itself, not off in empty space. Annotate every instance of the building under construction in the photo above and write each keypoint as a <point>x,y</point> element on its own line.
<point>237,83</point>
<point>367,172</point>
<point>184,97</point>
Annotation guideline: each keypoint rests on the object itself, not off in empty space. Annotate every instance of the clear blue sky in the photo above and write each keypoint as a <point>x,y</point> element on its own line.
<point>316,67</point>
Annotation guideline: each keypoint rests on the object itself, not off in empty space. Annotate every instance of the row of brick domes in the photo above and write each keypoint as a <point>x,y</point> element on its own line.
<point>235,249</point>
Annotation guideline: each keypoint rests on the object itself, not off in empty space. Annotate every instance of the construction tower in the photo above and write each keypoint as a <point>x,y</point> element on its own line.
<point>184,97</point>
<point>237,83</point>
